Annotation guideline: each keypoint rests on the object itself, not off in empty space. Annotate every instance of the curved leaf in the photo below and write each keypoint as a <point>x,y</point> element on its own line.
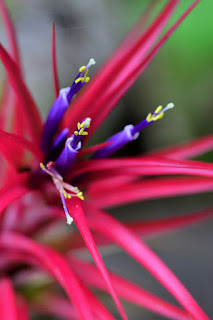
<point>102,222</point>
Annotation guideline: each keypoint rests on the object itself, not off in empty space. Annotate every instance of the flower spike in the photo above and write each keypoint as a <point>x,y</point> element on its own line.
<point>62,186</point>
<point>130,133</point>
<point>61,104</point>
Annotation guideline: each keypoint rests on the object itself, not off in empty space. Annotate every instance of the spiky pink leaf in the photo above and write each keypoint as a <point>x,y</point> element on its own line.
<point>21,142</point>
<point>187,150</point>
<point>152,189</point>
<point>32,117</point>
<point>144,255</point>
<point>127,290</point>
<point>139,26</point>
<point>111,71</point>
<point>11,32</point>
<point>22,309</point>
<point>53,263</point>
<point>144,166</point>
<point>145,228</point>
<point>112,97</point>
<point>8,308</point>
<point>75,209</point>
<point>54,64</point>
<point>14,190</point>
<point>156,226</point>
<point>59,306</point>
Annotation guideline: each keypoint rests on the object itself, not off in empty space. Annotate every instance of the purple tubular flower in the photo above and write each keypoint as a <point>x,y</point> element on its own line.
<point>60,106</point>
<point>130,133</point>
<point>53,119</point>
<point>118,140</point>
<point>68,156</point>
<point>58,143</point>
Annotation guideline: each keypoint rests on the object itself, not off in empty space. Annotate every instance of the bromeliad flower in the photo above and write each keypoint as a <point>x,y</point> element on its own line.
<point>51,166</point>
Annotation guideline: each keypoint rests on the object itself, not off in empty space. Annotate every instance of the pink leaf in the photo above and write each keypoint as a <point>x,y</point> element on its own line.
<point>22,309</point>
<point>53,263</point>
<point>102,222</point>
<point>21,142</point>
<point>110,73</point>
<point>112,97</point>
<point>54,63</point>
<point>152,189</point>
<point>75,209</point>
<point>33,120</point>
<point>14,190</point>
<point>187,150</point>
<point>145,228</point>
<point>145,166</point>
<point>11,32</point>
<point>127,290</point>
<point>153,227</point>
<point>8,309</point>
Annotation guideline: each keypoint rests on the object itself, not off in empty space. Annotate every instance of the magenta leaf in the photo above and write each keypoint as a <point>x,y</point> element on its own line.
<point>144,255</point>
<point>53,263</point>
<point>8,308</point>
<point>75,209</point>
<point>33,120</point>
<point>54,64</point>
<point>127,290</point>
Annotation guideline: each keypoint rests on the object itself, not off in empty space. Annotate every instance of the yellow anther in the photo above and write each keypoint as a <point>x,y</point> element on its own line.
<point>76,133</point>
<point>86,73</point>
<point>155,118</point>
<point>69,196</point>
<point>79,126</point>
<point>42,166</point>
<point>81,69</point>
<point>80,195</point>
<point>80,79</point>
<point>87,79</point>
<point>158,109</point>
<point>149,117</point>
<point>84,133</point>
<point>81,131</point>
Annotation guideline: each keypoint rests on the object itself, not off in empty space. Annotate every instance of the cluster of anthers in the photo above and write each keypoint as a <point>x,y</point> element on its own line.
<point>159,112</point>
<point>81,127</point>
<point>66,190</point>
<point>83,77</point>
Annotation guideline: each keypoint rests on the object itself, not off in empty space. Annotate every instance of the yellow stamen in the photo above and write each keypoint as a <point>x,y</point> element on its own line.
<point>149,117</point>
<point>80,79</point>
<point>81,131</point>
<point>158,109</point>
<point>155,118</point>
<point>42,166</point>
<point>81,69</point>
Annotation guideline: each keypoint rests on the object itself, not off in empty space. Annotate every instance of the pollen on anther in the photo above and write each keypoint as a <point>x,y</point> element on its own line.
<point>81,69</point>
<point>158,109</point>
